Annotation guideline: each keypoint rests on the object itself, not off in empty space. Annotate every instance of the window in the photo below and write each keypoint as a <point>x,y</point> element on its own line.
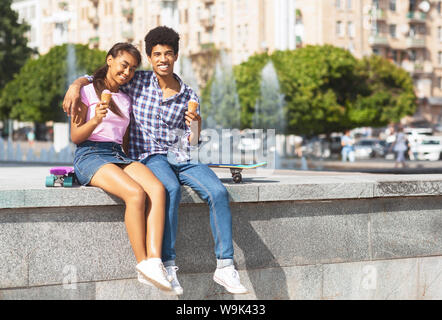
<point>439,33</point>
<point>338,4</point>
<point>222,9</point>
<point>438,7</point>
<point>349,4</point>
<point>32,13</point>
<point>223,35</point>
<point>413,55</point>
<point>339,29</point>
<point>393,5</point>
<point>439,58</point>
<point>392,30</point>
<point>376,4</point>
<point>351,29</point>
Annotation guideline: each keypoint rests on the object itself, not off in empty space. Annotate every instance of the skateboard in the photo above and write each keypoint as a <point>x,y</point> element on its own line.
<point>235,169</point>
<point>60,177</point>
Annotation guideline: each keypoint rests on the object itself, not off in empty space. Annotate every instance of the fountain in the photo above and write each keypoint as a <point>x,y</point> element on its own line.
<point>188,74</point>
<point>225,110</point>
<point>269,107</point>
<point>269,113</point>
<point>222,120</point>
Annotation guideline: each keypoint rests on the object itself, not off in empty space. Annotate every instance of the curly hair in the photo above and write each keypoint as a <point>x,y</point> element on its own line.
<point>164,36</point>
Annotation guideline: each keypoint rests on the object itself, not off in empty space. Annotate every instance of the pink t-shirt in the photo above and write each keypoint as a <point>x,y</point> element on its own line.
<point>113,127</point>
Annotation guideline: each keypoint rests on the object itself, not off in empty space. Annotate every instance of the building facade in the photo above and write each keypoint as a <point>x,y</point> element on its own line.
<point>408,32</point>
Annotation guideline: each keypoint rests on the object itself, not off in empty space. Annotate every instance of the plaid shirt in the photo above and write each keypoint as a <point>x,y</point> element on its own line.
<point>158,125</point>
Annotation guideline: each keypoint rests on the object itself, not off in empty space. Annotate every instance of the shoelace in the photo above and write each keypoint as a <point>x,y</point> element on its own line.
<point>235,274</point>
<point>173,270</point>
<point>164,270</point>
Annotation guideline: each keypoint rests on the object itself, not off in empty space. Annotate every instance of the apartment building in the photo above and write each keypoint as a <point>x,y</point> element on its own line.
<point>239,27</point>
<point>408,32</point>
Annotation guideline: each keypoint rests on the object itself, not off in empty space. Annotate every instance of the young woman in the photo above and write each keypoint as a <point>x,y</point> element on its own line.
<point>99,130</point>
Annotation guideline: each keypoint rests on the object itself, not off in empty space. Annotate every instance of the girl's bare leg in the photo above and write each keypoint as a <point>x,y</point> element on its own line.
<point>111,178</point>
<point>156,208</point>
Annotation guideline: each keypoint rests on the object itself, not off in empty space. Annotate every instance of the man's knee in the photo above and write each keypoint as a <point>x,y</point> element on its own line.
<point>220,193</point>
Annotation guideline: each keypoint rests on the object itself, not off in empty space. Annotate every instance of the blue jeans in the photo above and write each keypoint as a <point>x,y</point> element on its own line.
<point>208,186</point>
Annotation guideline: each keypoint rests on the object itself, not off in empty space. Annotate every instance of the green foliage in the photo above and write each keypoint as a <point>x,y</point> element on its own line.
<point>318,82</point>
<point>13,44</point>
<point>37,92</point>
<point>326,90</point>
<point>389,97</point>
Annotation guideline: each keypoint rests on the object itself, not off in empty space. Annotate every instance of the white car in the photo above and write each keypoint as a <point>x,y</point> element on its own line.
<point>430,148</point>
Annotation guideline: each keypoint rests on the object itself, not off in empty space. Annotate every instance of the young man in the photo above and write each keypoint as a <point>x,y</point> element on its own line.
<point>159,103</point>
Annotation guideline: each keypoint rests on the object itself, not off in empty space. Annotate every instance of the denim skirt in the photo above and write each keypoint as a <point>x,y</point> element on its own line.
<point>92,155</point>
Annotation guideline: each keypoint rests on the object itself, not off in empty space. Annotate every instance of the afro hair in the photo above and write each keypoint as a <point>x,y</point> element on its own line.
<point>163,36</point>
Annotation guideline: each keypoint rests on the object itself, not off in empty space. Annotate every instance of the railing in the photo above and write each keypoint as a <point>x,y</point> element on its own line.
<point>415,42</point>
<point>41,152</point>
<point>128,13</point>
<point>378,40</point>
<point>417,17</point>
<point>379,14</point>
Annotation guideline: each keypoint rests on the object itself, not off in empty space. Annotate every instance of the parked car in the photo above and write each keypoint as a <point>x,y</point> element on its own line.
<point>369,148</point>
<point>430,148</point>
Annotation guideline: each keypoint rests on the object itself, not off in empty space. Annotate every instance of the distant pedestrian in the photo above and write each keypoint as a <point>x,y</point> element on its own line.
<point>31,138</point>
<point>400,146</point>
<point>348,150</point>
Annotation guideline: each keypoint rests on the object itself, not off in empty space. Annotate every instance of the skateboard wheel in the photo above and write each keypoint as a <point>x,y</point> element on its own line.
<point>67,182</point>
<point>237,178</point>
<point>50,181</point>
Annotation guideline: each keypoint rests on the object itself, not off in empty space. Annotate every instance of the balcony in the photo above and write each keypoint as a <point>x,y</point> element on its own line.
<point>208,46</point>
<point>418,68</point>
<point>417,17</point>
<point>128,13</point>
<point>415,43</point>
<point>94,20</point>
<point>207,19</point>
<point>208,22</point>
<point>378,41</point>
<point>94,42</point>
<point>379,14</point>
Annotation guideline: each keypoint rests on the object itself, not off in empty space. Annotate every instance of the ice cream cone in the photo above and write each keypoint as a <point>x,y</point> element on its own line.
<point>106,96</point>
<point>192,106</point>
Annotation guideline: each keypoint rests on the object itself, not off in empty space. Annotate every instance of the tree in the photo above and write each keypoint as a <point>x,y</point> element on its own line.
<point>319,83</point>
<point>37,92</point>
<point>389,94</point>
<point>327,90</point>
<point>13,44</point>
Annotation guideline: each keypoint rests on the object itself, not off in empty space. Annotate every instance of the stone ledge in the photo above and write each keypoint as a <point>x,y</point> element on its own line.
<point>258,186</point>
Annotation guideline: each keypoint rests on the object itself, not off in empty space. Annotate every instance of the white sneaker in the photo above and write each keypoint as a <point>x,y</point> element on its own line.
<point>143,280</point>
<point>153,270</point>
<point>176,287</point>
<point>228,277</point>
